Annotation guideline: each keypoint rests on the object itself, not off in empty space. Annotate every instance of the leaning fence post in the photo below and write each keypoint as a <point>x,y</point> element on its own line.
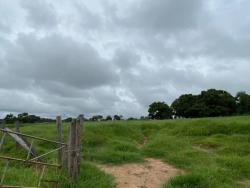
<point>59,133</point>
<point>17,124</point>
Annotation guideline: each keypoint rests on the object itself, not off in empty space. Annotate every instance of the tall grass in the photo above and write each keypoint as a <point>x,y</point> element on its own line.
<point>213,152</point>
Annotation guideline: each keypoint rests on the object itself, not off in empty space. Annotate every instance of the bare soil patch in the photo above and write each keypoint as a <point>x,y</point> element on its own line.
<point>245,182</point>
<point>151,174</point>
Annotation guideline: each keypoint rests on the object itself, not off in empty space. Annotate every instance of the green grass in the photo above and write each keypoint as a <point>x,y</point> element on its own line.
<point>213,152</point>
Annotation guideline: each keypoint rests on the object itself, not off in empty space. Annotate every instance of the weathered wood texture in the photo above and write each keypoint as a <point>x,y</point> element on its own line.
<point>28,162</point>
<point>21,142</point>
<point>79,143</point>
<point>30,136</point>
<point>74,149</point>
<point>17,124</point>
<point>59,133</point>
<point>2,124</point>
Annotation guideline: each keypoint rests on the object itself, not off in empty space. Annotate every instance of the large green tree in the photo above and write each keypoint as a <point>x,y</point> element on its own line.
<point>217,102</point>
<point>185,106</point>
<point>207,104</point>
<point>10,118</point>
<point>159,110</point>
<point>243,103</point>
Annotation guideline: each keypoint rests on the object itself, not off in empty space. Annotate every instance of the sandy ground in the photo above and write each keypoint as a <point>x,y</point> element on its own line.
<point>151,174</point>
<point>245,182</point>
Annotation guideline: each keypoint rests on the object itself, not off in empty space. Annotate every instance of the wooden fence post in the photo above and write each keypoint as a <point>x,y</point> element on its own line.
<point>3,124</point>
<point>17,124</point>
<point>59,133</point>
<point>74,148</point>
<point>79,124</point>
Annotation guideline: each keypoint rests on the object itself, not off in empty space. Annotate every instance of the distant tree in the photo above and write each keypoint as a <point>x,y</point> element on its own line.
<point>243,103</point>
<point>207,104</point>
<point>185,106</point>
<point>159,110</point>
<point>108,118</point>
<point>117,117</point>
<point>97,118</point>
<point>34,119</point>
<point>144,118</point>
<point>69,119</point>
<point>131,119</point>
<point>217,103</point>
<point>10,118</point>
<point>23,117</point>
<point>26,118</point>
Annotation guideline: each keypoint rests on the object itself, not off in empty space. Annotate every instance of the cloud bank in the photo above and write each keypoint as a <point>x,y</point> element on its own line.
<point>118,57</point>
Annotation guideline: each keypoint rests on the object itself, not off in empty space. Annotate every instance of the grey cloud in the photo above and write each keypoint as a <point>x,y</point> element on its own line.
<point>4,28</point>
<point>40,13</point>
<point>59,59</point>
<point>93,101</point>
<point>87,19</point>
<point>16,101</point>
<point>126,58</point>
<point>69,58</point>
<point>225,46</point>
<point>164,15</point>
<point>165,82</point>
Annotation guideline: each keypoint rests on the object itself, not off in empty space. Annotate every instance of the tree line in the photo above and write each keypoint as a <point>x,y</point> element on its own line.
<point>99,118</point>
<point>28,118</point>
<point>209,103</point>
<point>25,118</point>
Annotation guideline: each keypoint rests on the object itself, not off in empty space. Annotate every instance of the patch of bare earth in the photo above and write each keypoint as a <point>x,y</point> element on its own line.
<point>151,174</point>
<point>245,182</point>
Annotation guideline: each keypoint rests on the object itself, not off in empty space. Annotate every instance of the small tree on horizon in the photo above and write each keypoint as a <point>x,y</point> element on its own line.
<point>118,117</point>
<point>108,118</point>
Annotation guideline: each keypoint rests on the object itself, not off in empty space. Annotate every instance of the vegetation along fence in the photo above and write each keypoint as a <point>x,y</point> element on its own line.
<point>69,154</point>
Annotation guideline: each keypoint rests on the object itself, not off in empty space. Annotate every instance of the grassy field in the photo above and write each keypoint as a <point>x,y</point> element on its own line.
<point>213,152</point>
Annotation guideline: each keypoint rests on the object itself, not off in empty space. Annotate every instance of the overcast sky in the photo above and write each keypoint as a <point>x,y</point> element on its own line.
<point>116,57</point>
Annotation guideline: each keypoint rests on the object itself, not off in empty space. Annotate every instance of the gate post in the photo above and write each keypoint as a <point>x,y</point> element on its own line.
<point>3,124</point>
<point>59,133</point>
<point>17,124</point>
<point>74,148</point>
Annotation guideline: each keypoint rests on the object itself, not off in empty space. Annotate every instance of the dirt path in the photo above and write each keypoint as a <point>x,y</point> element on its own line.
<point>151,174</point>
<point>245,182</point>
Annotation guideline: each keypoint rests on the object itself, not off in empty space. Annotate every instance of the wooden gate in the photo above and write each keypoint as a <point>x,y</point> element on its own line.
<point>68,153</point>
